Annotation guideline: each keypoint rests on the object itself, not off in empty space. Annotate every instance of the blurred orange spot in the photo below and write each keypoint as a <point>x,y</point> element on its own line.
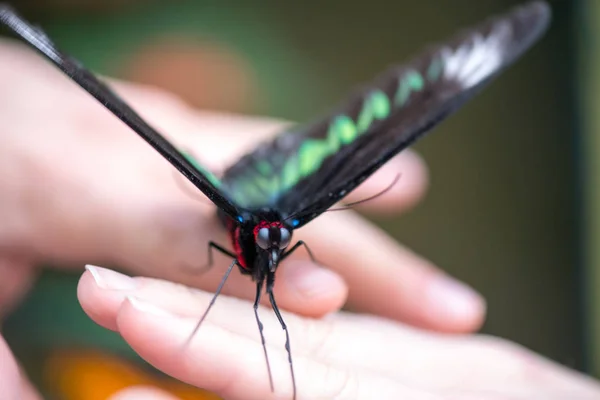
<point>205,74</point>
<point>92,375</point>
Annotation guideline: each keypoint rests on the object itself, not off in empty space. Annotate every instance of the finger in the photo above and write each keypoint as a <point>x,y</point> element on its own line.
<point>156,333</point>
<point>428,360</point>
<point>388,280</point>
<point>329,341</point>
<point>101,292</point>
<point>142,393</point>
<point>332,341</point>
<point>226,362</point>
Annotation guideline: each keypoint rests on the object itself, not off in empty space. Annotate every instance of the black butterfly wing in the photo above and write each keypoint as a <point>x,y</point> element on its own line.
<point>303,172</point>
<point>201,178</point>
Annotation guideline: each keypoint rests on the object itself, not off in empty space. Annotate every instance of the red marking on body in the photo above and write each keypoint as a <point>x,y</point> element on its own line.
<point>237,248</point>
<point>266,224</point>
<point>234,235</point>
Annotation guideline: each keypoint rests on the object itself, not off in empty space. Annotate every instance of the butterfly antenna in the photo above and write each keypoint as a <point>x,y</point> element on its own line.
<point>212,302</point>
<point>270,285</point>
<point>351,205</point>
<point>384,191</point>
<point>259,286</point>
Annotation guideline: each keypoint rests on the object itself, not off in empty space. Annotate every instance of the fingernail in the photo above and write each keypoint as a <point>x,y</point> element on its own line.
<point>455,298</point>
<point>108,279</point>
<point>145,307</point>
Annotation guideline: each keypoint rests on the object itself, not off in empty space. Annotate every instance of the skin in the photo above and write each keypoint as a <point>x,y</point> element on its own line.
<point>342,356</point>
<point>77,187</point>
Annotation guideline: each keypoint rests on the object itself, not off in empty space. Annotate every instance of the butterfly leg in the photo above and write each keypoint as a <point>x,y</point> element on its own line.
<point>270,285</point>
<point>211,245</point>
<point>212,302</point>
<point>295,247</point>
<point>259,286</point>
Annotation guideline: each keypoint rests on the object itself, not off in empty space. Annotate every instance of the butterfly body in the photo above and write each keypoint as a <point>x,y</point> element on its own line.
<point>259,242</point>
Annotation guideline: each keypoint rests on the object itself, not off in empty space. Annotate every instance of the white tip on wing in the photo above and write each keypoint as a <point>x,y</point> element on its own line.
<point>477,58</point>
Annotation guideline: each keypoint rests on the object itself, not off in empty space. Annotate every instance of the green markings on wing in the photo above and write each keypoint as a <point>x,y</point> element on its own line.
<point>262,183</point>
<point>411,82</point>
<point>244,191</point>
<point>250,191</point>
<point>343,130</point>
<point>257,186</point>
<point>435,69</point>
<point>264,167</point>
<point>376,107</point>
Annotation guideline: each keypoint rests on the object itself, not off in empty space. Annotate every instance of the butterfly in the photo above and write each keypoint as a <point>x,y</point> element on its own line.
<point>287,182</point>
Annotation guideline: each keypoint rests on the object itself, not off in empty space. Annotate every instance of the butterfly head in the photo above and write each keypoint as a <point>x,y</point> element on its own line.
<point>274,238</point>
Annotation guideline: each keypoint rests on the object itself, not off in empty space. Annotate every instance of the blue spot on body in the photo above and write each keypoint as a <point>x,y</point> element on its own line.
<point>240,219</point>
<point>295,223</point>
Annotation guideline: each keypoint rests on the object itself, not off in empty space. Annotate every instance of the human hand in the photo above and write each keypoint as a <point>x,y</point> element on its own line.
<point>78,186</point>
<point>342,356</point>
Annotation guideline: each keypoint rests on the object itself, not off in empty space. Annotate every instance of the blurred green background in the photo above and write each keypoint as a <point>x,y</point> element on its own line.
<point>505,210</point>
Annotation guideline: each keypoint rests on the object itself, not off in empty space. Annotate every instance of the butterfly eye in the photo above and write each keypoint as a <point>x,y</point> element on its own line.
<point>263,238</point>
<point>284,241</point>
